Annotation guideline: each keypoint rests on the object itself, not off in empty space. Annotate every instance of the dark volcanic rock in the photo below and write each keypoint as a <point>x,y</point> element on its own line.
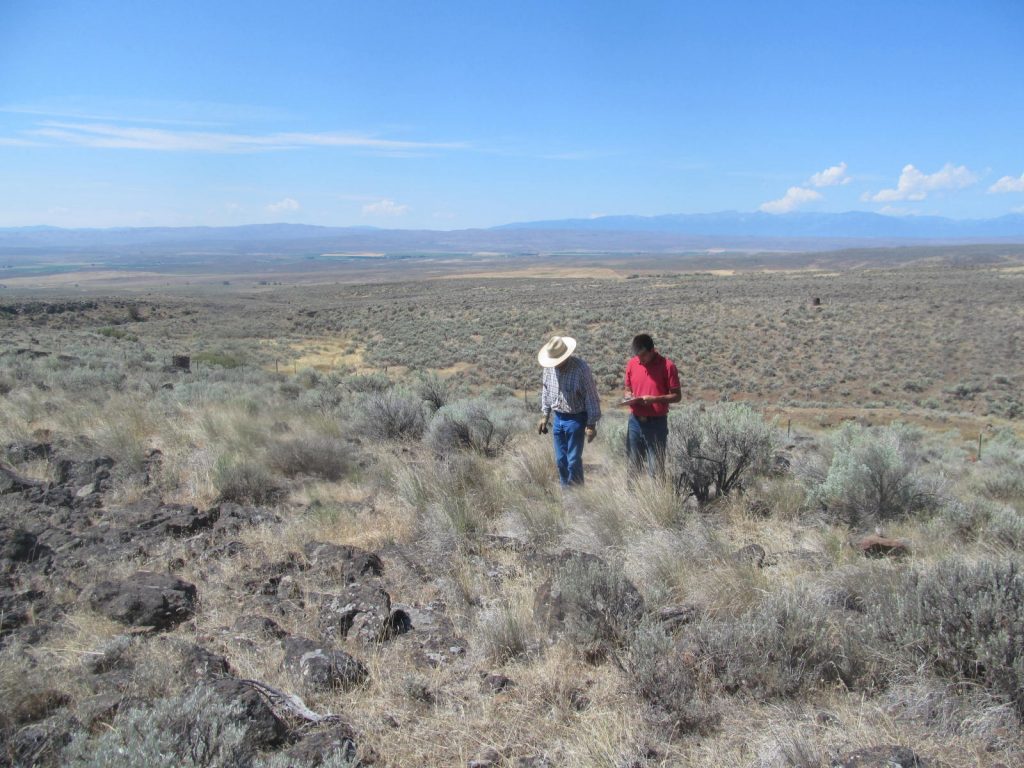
<point>157,600</point>
<point>317,747</point>
<point>362,611</point>
<point>202,664</point>
<point>321,667</point>
<point>22,452</point>
<point>180,520</point>
<point>879,757</point>
<point>111,656</point>
<point>260,626</point>
<point>675,616</point>
<point>431,634</point>
<point>40,744</point>
<point>233,518</point>
<point>752,554</point>
<point>12,481</point>
<point>21,546</point>
<point>341,561</point>
<point>265,729</point>
<point>495,683</point>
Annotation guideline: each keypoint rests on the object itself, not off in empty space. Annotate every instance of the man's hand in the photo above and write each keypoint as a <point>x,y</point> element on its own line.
<point>542,426</point>
<point>591,434</point>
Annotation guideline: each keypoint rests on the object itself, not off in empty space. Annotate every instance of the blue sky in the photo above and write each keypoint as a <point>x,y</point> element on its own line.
<point>471,114</point>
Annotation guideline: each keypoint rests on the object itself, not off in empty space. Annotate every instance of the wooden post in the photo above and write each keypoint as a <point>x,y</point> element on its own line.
<point>789,423</point>
<point>979,446</point>
<point>276,369</point>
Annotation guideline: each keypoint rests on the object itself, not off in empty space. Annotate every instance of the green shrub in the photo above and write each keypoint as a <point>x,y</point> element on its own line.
<point>197,730</point>
<point>981,519</point>
<point>874,475</point>
<point>666,676</point>
<point>194,731</point>
<point>787,644</point>
<point>434,391</point>
<point>1000,472</point>
<point>602,607</point>
<point>710,449</point>
<point>964,621</point>
<point>476,426</point>
<point>244,481</point>
<point>392,416</point>
<point>368,383</point>
<point>319,456</point>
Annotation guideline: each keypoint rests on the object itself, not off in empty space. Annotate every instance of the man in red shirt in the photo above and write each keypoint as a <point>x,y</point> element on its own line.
<point>652,383</point>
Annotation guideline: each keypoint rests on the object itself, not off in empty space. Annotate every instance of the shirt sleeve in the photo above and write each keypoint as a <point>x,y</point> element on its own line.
<point>629,368</point>
<point>673,376</point>
<point>545,399</point>
<point>592,399</point>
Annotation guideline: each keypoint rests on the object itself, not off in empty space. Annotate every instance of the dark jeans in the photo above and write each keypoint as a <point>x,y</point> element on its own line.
<point>569,432</point>
<point>646,442</point>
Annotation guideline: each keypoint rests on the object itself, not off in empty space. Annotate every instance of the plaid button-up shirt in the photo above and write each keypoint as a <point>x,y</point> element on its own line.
<point>570,388</point>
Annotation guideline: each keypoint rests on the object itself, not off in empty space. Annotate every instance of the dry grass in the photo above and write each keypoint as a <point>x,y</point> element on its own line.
<point>472,535</point>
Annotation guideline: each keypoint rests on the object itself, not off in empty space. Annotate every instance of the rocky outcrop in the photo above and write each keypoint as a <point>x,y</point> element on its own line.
<point>156,600</point>
<point>879,757</point>
<point>321,667</point>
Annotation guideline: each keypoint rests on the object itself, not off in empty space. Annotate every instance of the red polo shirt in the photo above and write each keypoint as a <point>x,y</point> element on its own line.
<point>658,377</point>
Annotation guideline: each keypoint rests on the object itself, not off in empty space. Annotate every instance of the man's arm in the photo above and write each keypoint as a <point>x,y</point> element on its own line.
<point>591,398</point>
<point>674,396</point>
<point>546,401</point>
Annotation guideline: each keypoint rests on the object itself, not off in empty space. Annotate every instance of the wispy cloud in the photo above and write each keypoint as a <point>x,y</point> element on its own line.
<point>794,197</point>
<point>283,206</point>
<point>830,177</point>
<point>1008,184</point>
<point>8,142</point>
<point>97,116</point>
<point>385,208</point>
<point>113,136</point>
<point>914,185</point>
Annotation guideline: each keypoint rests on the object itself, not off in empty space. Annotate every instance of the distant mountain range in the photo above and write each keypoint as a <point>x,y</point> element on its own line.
<point>854,224</point>
<point>672,232</point>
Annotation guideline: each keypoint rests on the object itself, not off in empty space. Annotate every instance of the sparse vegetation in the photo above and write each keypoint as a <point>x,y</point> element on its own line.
<point>875,476</point>
<point>413,518</point>
<point>711,450</point>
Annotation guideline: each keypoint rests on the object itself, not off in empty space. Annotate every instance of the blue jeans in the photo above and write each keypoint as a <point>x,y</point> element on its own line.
<point>569,432</point>
<point>646,442</point>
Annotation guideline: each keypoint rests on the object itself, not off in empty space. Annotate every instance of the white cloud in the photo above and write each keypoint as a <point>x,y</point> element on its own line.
<point>794,197</point>
<point>112,136</point>
<point>8,142</point>
<point>1008,184</point>
<point>914,185</point>
<point>282,206</point>
<point>830,177</point>
<point>385,208</point>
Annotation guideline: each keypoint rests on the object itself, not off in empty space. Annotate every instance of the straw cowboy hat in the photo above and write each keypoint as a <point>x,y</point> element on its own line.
<point>556,351</point>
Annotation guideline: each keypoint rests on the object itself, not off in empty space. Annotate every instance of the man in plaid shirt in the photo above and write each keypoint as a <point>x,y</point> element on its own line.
<point>569,392</point>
